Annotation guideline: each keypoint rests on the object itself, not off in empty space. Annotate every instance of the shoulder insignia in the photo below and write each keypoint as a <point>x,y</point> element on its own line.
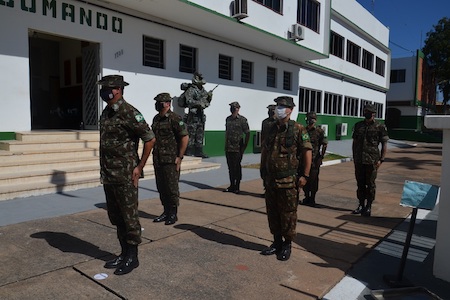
<point>181,123</point>
<point>139,118</point>
<point>305,137</point>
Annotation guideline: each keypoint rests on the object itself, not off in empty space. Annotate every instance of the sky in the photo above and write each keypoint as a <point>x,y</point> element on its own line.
<point>408,21</point>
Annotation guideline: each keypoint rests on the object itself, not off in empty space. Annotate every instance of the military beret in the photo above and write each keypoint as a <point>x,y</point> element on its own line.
<point>370,107</point>
<point>112,81</point>
<point>235,104</point>
<point>311,115</point>
<point>163,97</point>
<point>285,101</point>
<point>271,106</point>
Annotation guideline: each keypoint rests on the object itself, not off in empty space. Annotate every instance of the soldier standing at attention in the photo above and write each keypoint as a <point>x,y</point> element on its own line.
<point>236,126</point>
<point>267,121</point>
<point>197,99</point>
<point>121,127</point>
<point>171,142</point>
<point>367,136</point>
<point>285,165</point>
<point>319,143</point>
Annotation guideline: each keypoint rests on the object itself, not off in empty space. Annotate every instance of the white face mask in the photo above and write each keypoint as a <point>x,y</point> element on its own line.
<point>281,112</point>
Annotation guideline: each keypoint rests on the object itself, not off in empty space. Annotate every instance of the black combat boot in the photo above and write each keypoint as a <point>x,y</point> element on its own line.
<point>367,211</point>
<point>162,217</point>
<point>113,264</point>
<point>285,252</point>
<point>359,209</point>
<point>189,151</point>
<point>237,187</point>
<point>275,247</point>
<point>172,217</point>
<point>199,152</point>
<point>130,262</point>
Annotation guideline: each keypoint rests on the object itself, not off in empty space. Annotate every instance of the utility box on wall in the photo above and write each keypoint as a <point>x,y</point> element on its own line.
<point>257,142</point>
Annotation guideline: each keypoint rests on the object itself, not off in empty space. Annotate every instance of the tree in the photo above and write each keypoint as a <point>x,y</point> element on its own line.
<point>437,54</point>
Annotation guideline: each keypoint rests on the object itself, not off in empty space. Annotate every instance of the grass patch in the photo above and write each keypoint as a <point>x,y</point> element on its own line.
<point>328,156</point>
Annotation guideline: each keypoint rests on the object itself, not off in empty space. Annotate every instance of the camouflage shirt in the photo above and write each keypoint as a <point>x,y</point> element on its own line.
<point>366,139</point>
<point>197,99</point>
<point>121,127</point>
<point>235,128</point>
<point>169,129</point>
<point>265,125</point>
<point>317,137</point>
<point>284,150</point>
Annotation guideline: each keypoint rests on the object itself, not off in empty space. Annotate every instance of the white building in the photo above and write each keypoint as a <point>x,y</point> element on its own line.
<point>330,56</point>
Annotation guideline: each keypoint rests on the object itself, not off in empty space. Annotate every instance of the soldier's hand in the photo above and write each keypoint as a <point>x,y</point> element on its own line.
<point>301,182</point>
<point>136,174</point>
<point>178,161</point>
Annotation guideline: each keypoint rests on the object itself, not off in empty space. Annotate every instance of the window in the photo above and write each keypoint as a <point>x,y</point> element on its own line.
<point>398,76</point>
<point>379,108</point>
<point>337,45</point>
<point>271,77</point>
<point>353,53</point>
<point>379,67</point>
<point>351,106</point>
<point>363,104</point>
<point>272,4</point>
<point>332,104</point>
<point>287,81</point>
<point>188,59</point>
<point>310,100</point>
<point>246,71</point>
<point>225,67</point>
<point>153,52</point>
<point>308,14</point>
<point>367,60</point>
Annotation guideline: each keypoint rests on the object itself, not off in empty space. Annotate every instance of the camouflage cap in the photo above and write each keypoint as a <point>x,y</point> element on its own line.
<point>112,81</point>
<point>235,104</point>
<point>311,115</point>
<point>285,101</point>
<point>163,97</point>
<point>370,107</point>
<point>271,106</point>
<point>198,78</point>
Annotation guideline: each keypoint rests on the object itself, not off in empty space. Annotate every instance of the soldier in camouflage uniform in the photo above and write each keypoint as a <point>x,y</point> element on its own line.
<point>285,165</point>
<point>267,121</point>
<point>197,99</point>
<point>171,142</point>
<point>367,136</point>
<point>236,127</point>
<point>319,143</point>
<point>121,127</point>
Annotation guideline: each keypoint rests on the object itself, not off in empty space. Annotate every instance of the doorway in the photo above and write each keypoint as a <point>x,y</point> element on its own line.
<point>63,75</point>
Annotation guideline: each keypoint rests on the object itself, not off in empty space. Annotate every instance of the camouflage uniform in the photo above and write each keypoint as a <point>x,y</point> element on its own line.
<point>121,127</point>
<point>267,122</point>
<point>280,167</point>
<point>318,140</point>
<point>197,99</point>
<point>235,129</point>
<point>169,129</point>
<point>366,154</point>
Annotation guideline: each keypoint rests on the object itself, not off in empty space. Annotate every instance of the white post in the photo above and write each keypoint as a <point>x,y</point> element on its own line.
<point>441,268</point>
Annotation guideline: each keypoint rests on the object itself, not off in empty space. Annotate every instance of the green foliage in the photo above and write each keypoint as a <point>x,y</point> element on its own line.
<point>437,54</point>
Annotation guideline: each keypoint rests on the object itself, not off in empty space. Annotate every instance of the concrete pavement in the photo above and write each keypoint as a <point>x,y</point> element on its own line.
<point>54,246</point>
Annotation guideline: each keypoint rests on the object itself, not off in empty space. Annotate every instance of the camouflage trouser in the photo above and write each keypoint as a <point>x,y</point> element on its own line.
<point>312,185</point>
<point>365,179</point>
<point>196,130</point>
<point>281,205</point>
<point>122,205</point>
<point>167,178</point>
<point>234,167</point>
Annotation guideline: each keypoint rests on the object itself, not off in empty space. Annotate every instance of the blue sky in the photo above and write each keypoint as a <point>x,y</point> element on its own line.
<point>408,21</point>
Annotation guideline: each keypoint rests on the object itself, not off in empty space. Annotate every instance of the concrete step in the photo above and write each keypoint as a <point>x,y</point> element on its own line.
<point>62,135</point>
<point>19,146</point>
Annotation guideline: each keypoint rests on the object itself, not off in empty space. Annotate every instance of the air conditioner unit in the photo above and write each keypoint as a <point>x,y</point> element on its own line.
<point>325,129</point>
<point>298,32</point>
<point>344,129</point>
<point>240,9</point>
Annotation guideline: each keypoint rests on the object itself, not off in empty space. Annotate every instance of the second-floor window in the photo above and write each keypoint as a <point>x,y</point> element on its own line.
<point>353,53</point>
<point>308,14</point>
<point>367,60</point>
<point>225,67</point>
<point>287,81</point>
<point>337,45</point>
<point>271,77</point>
<point>398,75</point>
<point>188,59</point>
<point>379,66</point>
<point>274,5</point>
<point>153,52</point>
<point>246,71</point>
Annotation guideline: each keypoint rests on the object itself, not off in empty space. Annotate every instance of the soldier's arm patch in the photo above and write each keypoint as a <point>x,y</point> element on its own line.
<point>305,137</point>
<point>139,118</point>
<point>181,123</point>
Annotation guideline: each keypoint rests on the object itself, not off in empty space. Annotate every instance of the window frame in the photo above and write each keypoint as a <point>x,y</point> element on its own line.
<point>310,100</point>
<point>287,81</point>
<point>271,79</point>
<point>332,106</point>
<point>353,53</point>
<point>380,69</point>
<point>153,56</point>
<point>398,76</point>
<point>187,63</point>
<point>246,71</point>
<point>337,41</point>
<point>272,4</point>
<point>367,64</point>
<point>225,67</point>
<point>308,14</point>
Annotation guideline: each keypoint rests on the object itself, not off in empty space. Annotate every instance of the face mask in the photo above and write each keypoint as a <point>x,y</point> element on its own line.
<point>159,106</point>
<point>368,115</point>
<point>232,109</point>
<point>281,112</point>
<point>106,94</point>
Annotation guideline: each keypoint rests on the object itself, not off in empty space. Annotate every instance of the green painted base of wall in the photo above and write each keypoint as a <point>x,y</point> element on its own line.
<point>432,136</point>
<point>7,136</point>
<point>411,122</point>
<point>215,143</point>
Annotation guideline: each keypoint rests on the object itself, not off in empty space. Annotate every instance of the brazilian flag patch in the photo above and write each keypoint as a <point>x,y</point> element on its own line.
<point>305,137</point>
<point>181,123</point>
<point>139,118</point>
